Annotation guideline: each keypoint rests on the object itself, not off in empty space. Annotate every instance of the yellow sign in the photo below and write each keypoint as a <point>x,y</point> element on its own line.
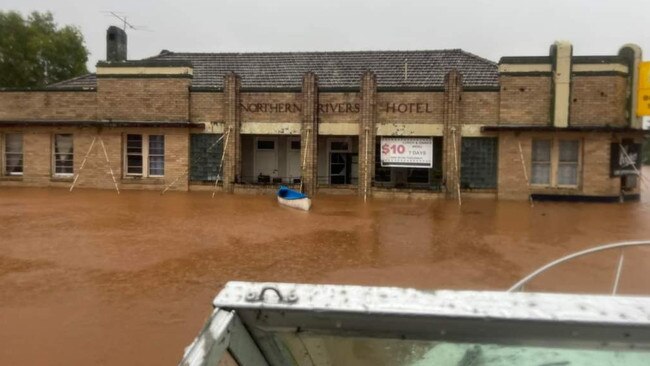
<point>643,93</point>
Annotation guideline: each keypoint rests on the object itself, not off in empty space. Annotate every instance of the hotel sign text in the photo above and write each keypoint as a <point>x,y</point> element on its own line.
<point>418,108</point>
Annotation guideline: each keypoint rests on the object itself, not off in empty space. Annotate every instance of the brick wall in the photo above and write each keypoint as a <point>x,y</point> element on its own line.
<point>367,130</point>
<point>598,100</point>
<point>131,99</point>
<point>410,107</point>
<point>232,129</point>
<point>33,105</point>
<point>451,145</point>
<point>595,166</point>
<point>594,179</point>
<point>37,163</point>
<point>512,182</point>
<point>37,157</point>
<point>206,107</point>
<point>309,133</point>
<point>525,100</point>
<point>339,107</point>
<point>479,108</point>
<point>271,107</point>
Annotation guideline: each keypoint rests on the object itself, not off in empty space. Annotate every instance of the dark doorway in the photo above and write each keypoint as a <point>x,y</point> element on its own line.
<point>341,167</point>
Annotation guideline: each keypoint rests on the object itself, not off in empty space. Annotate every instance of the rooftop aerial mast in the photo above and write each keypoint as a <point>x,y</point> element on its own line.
<point>125,24</point>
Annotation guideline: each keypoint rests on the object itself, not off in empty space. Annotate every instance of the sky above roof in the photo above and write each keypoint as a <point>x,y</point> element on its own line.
<point>488,28</point>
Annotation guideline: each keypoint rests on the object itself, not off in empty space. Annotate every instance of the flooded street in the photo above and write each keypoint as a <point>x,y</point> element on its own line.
<point>91,277</point>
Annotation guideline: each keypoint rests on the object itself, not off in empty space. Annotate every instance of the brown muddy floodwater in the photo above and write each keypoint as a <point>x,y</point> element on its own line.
<point>91,277</point>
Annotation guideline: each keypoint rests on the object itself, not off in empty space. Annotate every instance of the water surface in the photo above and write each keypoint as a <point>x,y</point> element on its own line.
<point>91,277</point>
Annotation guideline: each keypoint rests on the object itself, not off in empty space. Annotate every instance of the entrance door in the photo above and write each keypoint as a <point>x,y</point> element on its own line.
<point>338,168</point>
<point>266,159</point>
<point>340,160</point>
<point>293,160</point>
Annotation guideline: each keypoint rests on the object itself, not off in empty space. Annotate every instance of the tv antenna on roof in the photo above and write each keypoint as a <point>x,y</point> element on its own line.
<point>122,18</point>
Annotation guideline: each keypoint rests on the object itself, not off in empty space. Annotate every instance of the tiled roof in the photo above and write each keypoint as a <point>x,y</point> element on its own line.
<point>394,69</point>
<point>87,81</point>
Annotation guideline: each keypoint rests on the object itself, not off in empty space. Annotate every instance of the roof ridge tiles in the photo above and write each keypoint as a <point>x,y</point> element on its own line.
<point>232,53</point>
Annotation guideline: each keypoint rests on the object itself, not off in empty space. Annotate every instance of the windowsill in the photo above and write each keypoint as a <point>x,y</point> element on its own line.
<point>61,178</point>
<point>204,183</point>
<point>274,184</point>
<point>478,190</point>
<point>264,185</point>
<point>555,190</point>
<point>11,178</point>
<point>143,180</point>
<point>407,190</point>
<point>342,186</point>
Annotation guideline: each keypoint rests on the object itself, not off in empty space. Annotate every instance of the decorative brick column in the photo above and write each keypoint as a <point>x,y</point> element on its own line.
<point>232,125</point>
<point>452,132</point>
<point>561,53</point>
<point>367,132</point>
<point>309,133</point>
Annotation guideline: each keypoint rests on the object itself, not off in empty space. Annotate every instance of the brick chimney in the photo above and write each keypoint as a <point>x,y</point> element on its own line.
<point>115,44</point>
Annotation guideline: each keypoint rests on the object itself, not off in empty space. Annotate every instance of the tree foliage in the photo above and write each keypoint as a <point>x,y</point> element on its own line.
<point>35,52</point>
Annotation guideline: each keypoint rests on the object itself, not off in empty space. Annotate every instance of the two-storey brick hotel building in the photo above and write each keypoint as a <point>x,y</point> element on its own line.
<point>553,126</point>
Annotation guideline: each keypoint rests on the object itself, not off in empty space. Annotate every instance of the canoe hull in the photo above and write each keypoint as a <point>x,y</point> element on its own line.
<point>301,204</point>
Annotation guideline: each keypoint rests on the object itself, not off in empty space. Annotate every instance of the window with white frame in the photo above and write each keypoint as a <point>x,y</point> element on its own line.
<point>63,154</point>
<point>13,154</point>
<point>145,155</point>
<point>134,160</point>
<point>556,162</point>
<point>569,159</point>
<point>541,162</point>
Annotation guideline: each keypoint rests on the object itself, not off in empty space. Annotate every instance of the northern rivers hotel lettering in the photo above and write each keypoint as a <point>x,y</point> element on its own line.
<point>334,107</point>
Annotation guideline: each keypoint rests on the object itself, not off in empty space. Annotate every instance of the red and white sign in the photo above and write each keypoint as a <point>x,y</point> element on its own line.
<point>407,152</point>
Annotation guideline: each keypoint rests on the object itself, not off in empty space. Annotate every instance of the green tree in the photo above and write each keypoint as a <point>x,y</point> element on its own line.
<point>35,52</point>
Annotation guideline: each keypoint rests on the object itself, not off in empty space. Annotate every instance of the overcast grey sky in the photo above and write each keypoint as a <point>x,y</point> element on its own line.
<point>489,28</point>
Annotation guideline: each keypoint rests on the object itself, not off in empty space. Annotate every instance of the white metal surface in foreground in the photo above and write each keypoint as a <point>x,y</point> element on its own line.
<point>293,324</point>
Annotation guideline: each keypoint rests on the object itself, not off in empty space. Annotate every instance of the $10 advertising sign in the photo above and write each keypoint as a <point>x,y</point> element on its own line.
<point>407,152</point>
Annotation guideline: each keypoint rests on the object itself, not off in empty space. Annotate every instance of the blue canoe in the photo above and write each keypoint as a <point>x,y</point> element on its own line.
<point>294,199</point>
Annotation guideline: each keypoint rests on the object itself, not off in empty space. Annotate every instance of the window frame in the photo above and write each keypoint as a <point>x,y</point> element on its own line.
<point>336,140</point>
<point>550,162</point>
<point>54,155</point>
<point>3,146</point>
<point>555,163</point>
<point>126,155</point>
<point>204,149</point>
<point>465,166</point>
<point>578,164</point>
<point>144,153</point>
<point>150,155</point>
<point>346,152</point>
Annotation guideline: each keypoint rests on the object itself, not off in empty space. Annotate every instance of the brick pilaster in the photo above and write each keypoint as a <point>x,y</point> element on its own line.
<point>232,125</point>
<point>452,129</point>
<point>309,133</point>
<point>367,132</point>
<point>561,53</point>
